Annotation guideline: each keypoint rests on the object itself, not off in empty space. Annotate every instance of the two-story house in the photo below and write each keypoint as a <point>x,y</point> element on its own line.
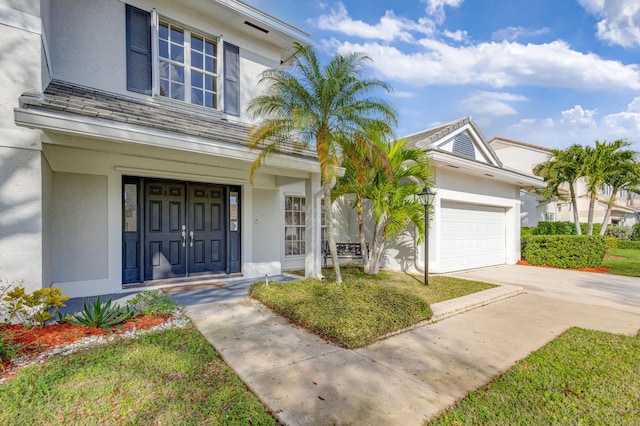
<point>524,157</point>
<point>123,155</point>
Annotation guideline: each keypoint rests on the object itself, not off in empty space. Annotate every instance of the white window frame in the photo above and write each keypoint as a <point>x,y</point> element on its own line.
<point>549,217</point>
<point>303,212</point>
<point>156,20</point>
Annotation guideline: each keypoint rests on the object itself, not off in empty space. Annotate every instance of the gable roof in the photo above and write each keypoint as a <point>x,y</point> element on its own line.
<point>442,138</point>
<point>478,159</point>
<point>70,100</point>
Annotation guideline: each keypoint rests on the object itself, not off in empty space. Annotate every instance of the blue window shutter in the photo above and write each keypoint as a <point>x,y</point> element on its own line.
<point>138,50</point>
<point>231,79</point>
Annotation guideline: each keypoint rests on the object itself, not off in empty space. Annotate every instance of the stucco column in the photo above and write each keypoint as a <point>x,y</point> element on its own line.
<point>313,256</point>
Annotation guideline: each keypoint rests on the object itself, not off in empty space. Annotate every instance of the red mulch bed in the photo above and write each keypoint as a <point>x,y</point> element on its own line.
<point>35,340</point>
<point>598,270</point>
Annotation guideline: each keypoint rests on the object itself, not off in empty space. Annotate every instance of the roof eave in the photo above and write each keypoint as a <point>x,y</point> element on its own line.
<point>119,132</point>
<point>487,171</point>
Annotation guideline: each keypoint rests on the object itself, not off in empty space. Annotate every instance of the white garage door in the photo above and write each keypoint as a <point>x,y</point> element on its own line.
<point>472,236</point>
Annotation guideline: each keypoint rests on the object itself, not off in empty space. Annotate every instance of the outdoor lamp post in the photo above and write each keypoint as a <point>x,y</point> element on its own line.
<point>426,197</point>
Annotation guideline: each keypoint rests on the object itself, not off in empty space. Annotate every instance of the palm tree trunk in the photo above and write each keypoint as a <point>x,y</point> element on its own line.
<point>574,206</point>
<point>328,214</point>
<point>592,203</point>
<point>375,259</point>
<point>607,214</point>
<point>363,241</point>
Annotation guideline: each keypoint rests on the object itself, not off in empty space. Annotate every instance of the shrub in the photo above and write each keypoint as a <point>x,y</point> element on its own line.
<point>35,308</point>
<point>632,245</point>
<point>596,228</point>
<point>101,316</point>
<point>635,234</point>
<point>152,302</point>
<point>563,228</point>
<point>612,244</point>
<point>620,232</point>
<point>564,251</point>
<point>527,230</point>
<point>555,228</point>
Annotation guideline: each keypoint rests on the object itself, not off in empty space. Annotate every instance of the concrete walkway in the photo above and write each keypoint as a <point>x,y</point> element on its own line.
<point>410,377</point>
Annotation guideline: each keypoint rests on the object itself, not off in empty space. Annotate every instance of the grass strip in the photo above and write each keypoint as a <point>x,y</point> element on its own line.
<point>169,377</point>
<point>582,377</point>
<point>625,262</point>
<point>364,308</point>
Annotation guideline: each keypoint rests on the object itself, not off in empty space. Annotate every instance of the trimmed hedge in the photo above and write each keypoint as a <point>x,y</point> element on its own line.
<point>635,234</point>
<point>527,230</point>
<point>633,245</point>
<point>555,228</point>
<point>563,228</point>
<point>612,244</point>
<point>564,251</point>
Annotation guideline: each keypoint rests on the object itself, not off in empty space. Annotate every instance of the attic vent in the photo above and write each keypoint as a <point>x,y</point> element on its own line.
<point>256,27</point>
<point>462,145</point>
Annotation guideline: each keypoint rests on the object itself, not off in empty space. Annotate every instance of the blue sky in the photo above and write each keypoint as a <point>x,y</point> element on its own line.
<point>546,72</point>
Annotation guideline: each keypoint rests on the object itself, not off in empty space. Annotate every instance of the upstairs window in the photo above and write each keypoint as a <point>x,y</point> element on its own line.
<point>187,66</point>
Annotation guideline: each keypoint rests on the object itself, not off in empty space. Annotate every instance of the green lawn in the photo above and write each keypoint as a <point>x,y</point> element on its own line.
<point>364,308</point>
<point>168,377</point>
<point>581,378</point>
<point>624,262</point>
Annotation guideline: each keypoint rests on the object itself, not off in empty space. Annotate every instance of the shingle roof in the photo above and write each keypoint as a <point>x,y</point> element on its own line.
<point>68,98</point>
<point>436,133</point>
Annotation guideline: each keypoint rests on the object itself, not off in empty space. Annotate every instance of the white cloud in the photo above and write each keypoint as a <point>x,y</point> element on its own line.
<point>496,65</point>
<point>435,8</point>
<point>579,117</point>
<point>515,33</point>
<point>459,36</point>
<point>491,103</point>
<point>619,20</point>
<point>402,94</point>
<point>389,28</point>
<point>580,125</point>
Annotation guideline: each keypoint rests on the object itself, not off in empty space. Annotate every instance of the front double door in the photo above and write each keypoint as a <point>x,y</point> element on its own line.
<point>185,229</point>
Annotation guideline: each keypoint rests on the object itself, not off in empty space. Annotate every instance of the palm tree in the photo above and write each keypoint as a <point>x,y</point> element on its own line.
<point>623,173</point>
<point>328,108</point>
<point>392,195</point>
<point>361,167</point>
<point>563,167</point>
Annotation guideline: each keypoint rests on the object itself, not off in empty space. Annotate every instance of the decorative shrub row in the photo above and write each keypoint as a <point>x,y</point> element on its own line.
<point>564,251</point>
<point>635,234</point>
<point>633,245</point>
<point>563,228</point>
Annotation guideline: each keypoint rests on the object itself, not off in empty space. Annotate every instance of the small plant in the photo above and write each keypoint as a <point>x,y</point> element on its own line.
<point>152,302</point>
<point>34,308</point>
<point>100,315</point>
<point>8,350</point>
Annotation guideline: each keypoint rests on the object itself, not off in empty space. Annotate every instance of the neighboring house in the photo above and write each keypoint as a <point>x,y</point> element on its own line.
<point>524,157</point>
<point>475,220</point>
<point>123,156</point>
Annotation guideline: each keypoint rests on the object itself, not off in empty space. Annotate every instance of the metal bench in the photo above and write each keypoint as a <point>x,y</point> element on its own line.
<point>345,251</point>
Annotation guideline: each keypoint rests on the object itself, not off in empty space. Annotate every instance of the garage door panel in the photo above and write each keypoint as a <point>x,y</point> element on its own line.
<point>472,236</point>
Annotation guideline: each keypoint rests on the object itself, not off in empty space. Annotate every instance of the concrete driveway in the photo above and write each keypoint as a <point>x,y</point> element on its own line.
<point>589,288</point>
<point>411,377</point>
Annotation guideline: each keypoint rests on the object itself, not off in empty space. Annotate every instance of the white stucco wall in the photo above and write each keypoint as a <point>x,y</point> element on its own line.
<point>21,177</point>
<point>267,232</point>
<point>521,158</point>
<point>80,227</point>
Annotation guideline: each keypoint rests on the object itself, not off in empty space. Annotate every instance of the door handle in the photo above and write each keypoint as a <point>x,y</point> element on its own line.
<point>184,236</point>
<point>191,235</point>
